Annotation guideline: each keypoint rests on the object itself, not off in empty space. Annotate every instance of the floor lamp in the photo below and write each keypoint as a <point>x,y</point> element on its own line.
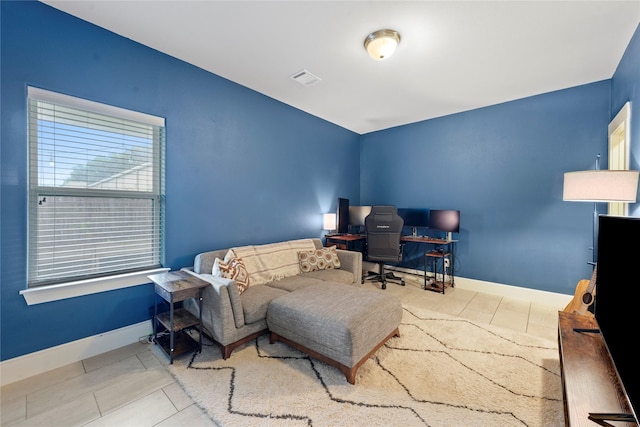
<point>600,186</point>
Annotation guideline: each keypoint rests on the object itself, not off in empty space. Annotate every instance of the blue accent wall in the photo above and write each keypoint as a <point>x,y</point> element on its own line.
<point>241,167</point>
<point>502,167</point>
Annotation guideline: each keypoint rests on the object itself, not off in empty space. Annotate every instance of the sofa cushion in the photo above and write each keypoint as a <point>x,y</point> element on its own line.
<point>318,259</point>
<point>256,300</point>
<point>294,283</point>
<point>232,269</point>
<point>332,275</point>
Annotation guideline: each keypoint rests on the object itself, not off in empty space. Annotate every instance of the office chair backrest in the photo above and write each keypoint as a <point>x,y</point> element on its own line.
<point>383,228</point>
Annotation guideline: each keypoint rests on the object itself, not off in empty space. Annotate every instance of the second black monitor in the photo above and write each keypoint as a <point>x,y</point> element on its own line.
<point>445,220</point>
<point>357,214</point>
<point>414,217</point>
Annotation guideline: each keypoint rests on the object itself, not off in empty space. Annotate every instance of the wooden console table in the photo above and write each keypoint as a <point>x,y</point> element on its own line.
<point>589,380</point>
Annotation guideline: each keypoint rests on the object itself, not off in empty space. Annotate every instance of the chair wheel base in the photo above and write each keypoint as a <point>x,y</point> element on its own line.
<point>383,277</point>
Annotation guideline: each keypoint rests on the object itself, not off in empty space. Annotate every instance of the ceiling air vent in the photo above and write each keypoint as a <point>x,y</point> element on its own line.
<point>305,78</point>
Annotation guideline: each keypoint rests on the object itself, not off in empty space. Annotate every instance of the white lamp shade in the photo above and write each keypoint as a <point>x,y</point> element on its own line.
<point>329,221</point>
<point>601,186</point>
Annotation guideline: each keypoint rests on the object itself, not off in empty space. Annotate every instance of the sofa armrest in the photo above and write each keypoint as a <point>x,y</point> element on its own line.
<point>351,261</point>
<point>221,304</point>
<point>203,262</point>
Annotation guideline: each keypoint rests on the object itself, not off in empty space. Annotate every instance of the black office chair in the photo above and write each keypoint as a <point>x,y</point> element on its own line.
<point>383,228</point>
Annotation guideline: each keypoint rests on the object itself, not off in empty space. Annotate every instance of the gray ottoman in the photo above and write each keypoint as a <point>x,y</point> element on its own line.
<point>341,325</point>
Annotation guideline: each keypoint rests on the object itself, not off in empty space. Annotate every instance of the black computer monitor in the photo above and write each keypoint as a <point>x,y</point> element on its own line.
<point>343,215</point>
<point>357,214</point>
<point>414,217</point>
<point>445,220</point>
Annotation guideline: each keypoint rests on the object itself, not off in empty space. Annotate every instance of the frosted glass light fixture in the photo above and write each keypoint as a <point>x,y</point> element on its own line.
<point>382,43</point>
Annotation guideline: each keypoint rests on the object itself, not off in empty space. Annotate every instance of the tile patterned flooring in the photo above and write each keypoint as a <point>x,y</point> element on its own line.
<point>131,387</point>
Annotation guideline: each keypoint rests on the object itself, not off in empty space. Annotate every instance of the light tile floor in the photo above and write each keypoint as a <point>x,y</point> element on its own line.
<point>131,387</point>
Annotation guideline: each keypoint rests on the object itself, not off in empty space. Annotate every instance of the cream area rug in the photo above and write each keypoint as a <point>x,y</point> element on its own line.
<point>441,371</point>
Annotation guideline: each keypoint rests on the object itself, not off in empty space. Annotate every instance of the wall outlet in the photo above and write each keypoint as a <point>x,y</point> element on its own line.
<point>446,263</point>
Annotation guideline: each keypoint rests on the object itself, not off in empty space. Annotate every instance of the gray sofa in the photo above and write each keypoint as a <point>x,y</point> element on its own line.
<point>232,319</point>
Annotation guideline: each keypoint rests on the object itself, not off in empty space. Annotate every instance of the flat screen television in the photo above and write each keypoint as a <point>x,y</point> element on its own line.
<point>343,215</point>
<point>617,280</point>
<point>445,220</point>
<point>357,214</point>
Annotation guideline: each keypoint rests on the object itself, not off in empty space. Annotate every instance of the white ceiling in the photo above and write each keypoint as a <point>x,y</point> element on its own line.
<point>454,55</point>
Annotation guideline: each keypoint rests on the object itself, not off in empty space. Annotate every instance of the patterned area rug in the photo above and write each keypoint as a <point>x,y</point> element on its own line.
<point>441,371</point>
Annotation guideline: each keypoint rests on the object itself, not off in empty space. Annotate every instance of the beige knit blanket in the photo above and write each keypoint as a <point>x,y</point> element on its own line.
<point>273,261</point>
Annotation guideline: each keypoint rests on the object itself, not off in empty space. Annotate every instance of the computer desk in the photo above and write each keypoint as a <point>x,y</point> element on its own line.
<point>442,249</point>
<point>345,241</point>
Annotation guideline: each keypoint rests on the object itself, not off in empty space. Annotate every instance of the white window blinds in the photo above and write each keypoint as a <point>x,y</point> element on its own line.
<point>96,189</point>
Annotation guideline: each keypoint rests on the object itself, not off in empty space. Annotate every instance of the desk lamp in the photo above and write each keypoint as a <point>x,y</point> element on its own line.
<point>600,186</point>
<point>329,222</point>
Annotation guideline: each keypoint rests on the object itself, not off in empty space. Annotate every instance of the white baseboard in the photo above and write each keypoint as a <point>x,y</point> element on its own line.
<point>517,292</point>
<point>510,291</point>
<point>22,367</point>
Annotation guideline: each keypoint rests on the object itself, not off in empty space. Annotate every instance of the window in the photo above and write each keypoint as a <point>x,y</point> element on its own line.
<point>96,190</point>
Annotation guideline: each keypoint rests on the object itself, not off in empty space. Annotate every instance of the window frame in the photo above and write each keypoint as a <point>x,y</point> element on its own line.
<point>75,286</point>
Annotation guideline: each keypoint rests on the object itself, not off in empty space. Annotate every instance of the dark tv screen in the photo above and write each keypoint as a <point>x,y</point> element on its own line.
<point>414,217</point>
<point>343,215</point>
<point>615,308</point>
<point>445,220</point>
<point>357,214</point>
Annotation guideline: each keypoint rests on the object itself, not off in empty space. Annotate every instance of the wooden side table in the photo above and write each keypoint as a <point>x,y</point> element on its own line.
<point>174,287</point>
<point>443,250</point>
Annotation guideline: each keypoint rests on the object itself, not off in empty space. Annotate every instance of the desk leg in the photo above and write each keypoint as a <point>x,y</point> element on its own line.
<point>452,256</point>
<point>444,272</point>
<point>453,264</point>
<point>425,272</point>
<point>171,335</point>
<point>200,325</point>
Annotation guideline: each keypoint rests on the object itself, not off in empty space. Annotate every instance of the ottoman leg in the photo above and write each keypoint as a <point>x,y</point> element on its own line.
<point>350,373</point>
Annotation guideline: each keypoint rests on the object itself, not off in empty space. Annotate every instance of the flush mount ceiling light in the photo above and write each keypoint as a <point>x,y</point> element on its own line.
<point>382,43</point>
